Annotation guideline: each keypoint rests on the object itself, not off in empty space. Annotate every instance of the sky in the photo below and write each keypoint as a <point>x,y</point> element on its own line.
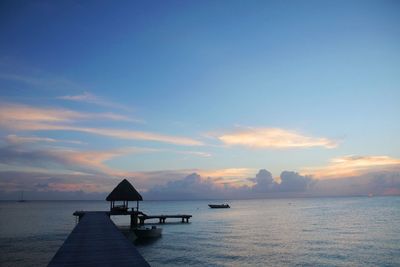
<point>237,99</point>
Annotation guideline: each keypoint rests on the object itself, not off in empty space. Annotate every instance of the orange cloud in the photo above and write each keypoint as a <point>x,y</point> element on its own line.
<point>352,166</point>
<point>19,114</point>
<point>26,118</point>
<point>275,138</point>
<point>229,172</point>
<point>234,177</point>
<point>63,160</point>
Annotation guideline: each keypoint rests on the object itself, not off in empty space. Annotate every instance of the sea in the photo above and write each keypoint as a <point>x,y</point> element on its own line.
<point>354,231</point>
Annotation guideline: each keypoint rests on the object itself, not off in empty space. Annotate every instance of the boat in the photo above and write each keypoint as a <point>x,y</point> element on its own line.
<point>21,199</point>
<point>219,206</point>
<point>147,232</point>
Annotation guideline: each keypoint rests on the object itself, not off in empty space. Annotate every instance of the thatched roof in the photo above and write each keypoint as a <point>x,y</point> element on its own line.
<point>124,191</point>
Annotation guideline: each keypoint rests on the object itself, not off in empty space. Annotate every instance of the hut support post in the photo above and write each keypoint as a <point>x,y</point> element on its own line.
<point>137,206</point>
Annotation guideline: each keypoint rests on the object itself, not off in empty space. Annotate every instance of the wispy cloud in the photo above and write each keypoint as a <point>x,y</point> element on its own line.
<point>194,153</point>
<point>41,182</point>
<point>15,139</point>
<point>41,81</point>
<point>87,97</point>
<point>27,118</point>
<point>228,172</point>
<point>352,166</point>
<point>273,138</point>
<point>19,113</point>
<point>89,162</point>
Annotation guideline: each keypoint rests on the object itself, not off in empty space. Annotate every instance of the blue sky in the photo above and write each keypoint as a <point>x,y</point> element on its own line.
<point>210,85</point>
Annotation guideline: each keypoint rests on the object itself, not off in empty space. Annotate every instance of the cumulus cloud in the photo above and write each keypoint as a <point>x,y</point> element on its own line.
<point>192,186</point>
<point>176,185</point>
<point>263,182</point>
<point>195,186</point>
<point>294,182</point>
<point>273,138</point>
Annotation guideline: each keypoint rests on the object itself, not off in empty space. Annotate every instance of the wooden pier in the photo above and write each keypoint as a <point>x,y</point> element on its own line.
<point>162,218</point>
<point>96,241</point>
<point>142,217</point>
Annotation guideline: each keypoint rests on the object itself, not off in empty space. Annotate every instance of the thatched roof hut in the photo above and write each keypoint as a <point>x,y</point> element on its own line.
<point>125,192</point>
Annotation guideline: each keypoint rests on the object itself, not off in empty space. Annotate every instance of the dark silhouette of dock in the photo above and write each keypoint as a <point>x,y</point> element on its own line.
<point>96,241</point>
<point>162,218</point>
<point>135,215</point>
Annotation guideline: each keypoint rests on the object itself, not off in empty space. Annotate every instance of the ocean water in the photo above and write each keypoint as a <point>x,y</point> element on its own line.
<point>357,231</point>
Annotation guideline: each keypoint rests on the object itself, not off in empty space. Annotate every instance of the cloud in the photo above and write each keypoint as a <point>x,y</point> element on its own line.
<point>273,138</point>
<point>87,97</point>
<point>353,166</point>
<point>227,173</point>
<point>90,162</point>
<point>42,81</point>
<point>293,182</point>
<point>177,185</point>
<point>195,153</point>
<point>21,115</point>
<point>263,182</point>
<point>55,186</point>
<point>379,183</point>
<point>27,118</point>
<point>138,135</point>
<point>192,186</point>
<point>195,186</point>
<point>14,139</point>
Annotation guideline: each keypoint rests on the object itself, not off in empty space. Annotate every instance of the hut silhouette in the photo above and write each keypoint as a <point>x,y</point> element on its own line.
<point>124,192</point>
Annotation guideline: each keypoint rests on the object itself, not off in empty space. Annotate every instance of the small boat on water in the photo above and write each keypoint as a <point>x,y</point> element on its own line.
<point>147,232</point>
<point>219,206</point>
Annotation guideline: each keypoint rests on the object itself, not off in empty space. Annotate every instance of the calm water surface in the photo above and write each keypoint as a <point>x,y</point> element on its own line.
<point>270,232</point>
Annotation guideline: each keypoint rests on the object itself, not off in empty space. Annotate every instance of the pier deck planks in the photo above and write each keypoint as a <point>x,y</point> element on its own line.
<point>96,241</point>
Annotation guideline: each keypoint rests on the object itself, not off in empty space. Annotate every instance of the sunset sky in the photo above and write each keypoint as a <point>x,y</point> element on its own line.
<point>93,91</point>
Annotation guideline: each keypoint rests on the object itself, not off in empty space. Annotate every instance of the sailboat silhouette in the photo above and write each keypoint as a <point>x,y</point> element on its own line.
<point>21,199</point>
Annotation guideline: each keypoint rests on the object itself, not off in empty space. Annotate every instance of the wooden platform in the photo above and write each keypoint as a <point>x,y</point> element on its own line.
<point>162,218</point>
<point>141,216</point>
<point>96,241</point>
